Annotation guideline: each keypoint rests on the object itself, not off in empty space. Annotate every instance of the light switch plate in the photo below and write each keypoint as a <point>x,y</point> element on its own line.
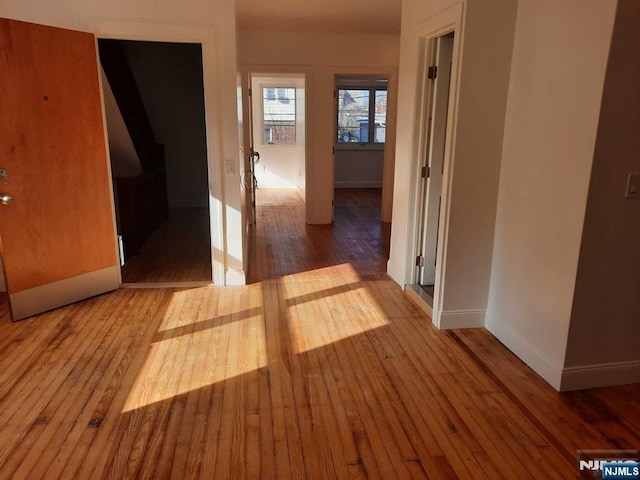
<point>229,167</point>
<point>633,185</point>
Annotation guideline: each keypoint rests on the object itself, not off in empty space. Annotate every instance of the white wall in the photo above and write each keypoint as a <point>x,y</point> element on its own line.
<point>559,59</point>
<point>169,18</point>
<point>301,125</point>
<point>279,165</point>
<point>324,56</point>
<point>124,158</point>
<point>169,78</point>
<point>359,168</point>
<point>605,317</point>
<point>486,40</point>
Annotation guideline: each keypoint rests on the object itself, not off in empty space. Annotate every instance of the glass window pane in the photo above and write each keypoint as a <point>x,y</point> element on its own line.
<point>353,116</point>
<point>380,116</point>
<point>279,115</point>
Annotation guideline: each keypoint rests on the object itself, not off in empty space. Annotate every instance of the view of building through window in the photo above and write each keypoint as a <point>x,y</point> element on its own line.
<point>358,109</point>
<point>279,115</point>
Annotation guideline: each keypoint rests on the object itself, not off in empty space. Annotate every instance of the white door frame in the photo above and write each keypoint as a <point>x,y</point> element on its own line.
<point>205,36</point>
<point>450,20</point>
<point>247,70</point>
<point>388,163</point>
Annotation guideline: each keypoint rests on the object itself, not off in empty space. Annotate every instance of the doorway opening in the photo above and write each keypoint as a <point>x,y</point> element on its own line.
<point>154,105</point>
<point>359,153</point>
<point>432,156</point>
<point>277,123</point>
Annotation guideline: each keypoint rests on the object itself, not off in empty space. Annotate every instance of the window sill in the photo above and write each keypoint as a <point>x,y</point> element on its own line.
<point>359,146</point>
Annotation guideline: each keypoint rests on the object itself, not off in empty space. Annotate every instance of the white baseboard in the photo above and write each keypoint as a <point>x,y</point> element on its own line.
<point>396,272</point>
<point>319,219</point>
<point>235,277</point>
<point>529,354</point>
<point>600,375</point>
<point>461,319</point>
<point>358,184</point>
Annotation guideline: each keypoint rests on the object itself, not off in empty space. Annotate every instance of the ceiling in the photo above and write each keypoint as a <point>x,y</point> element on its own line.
<point>334,16</point>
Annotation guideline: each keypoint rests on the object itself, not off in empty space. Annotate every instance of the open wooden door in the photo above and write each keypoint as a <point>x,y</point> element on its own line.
<point>56,215</point>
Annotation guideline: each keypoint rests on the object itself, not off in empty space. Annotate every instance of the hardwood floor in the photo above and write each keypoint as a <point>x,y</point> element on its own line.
<point>320,368</point>
<point>179,251</point>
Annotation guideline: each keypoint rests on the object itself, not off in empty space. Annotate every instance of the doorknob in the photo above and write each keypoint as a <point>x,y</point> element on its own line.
<point>5,199</point>
<point>3,175</point>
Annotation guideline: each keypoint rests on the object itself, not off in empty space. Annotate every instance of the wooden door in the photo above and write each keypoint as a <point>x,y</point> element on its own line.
<point>57,236</point>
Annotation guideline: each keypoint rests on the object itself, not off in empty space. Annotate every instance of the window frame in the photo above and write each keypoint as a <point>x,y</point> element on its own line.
<point>370,144</point>
<point>263,97</point>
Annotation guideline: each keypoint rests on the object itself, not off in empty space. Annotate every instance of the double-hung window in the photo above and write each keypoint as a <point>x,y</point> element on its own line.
<point>278,115</point>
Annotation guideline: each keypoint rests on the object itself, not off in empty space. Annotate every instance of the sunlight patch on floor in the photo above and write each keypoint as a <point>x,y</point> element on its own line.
<point>197,344</point>
<point>331,305</point>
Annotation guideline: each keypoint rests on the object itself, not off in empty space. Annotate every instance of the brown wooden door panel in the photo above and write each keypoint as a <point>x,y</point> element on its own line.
<point>52,144</point>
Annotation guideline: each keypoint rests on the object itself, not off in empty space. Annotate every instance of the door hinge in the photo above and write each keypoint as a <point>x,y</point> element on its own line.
<point>419,261</point>
<point>432,73</point>
<point>426,172</point>
<point>250,93</point>
<point>333,150</point>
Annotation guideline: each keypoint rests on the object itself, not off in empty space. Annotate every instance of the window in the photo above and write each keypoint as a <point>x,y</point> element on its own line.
<point>279,115</point>
<point>362,115</point>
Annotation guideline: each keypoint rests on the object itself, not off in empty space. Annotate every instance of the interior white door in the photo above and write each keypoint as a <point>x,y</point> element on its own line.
<point>435,156</point>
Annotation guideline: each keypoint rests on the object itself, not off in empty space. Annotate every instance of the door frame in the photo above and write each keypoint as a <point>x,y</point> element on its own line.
<point>451,20</point>
<point>246,71</point>
<point>205,36</point>
<point>388,161</point>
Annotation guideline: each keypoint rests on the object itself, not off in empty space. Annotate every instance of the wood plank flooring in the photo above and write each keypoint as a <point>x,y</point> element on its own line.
<point>179,251</point>
<point>320,368</point>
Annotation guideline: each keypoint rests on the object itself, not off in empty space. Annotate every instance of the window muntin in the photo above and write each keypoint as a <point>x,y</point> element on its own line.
<point>358,109</point>
<point>278,115</point>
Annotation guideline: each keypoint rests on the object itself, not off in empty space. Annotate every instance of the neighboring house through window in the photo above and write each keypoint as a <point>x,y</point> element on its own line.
<point>279,115</point>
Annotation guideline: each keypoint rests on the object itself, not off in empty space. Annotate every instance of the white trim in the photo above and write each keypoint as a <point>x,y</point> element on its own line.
<point>247,72</point>
<point>418,301</point>
<point>389,147</point>
<point>63,292</point>
<point>600,375</point>
<point>358,184</point>
<point>235,277</point>
<point>206,36</point>
<point>451,20</point>
<point>319,219</point>
<point>529,354</point>
<point>450,319</point>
